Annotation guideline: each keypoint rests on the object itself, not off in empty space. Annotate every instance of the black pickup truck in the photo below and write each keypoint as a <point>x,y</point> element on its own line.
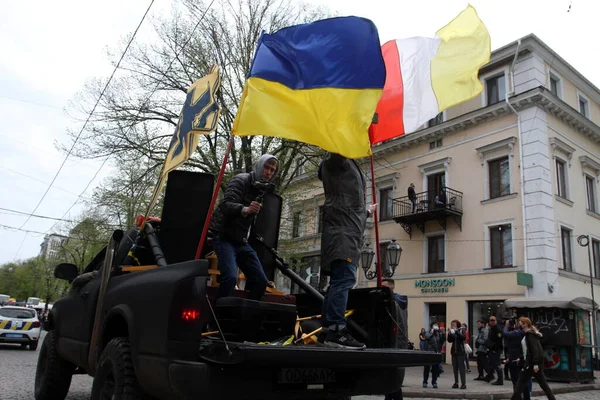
<point>142,330</point>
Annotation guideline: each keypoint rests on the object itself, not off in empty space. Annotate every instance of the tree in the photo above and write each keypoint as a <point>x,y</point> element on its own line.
<point>139,112</point>
<point>86,238</point>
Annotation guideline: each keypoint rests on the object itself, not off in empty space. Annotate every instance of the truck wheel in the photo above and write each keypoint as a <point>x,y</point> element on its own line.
<point>53,374</point>
<point>115,377</point>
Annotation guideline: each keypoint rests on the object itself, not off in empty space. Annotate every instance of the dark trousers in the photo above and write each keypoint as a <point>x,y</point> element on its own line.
<point>458,364</point>
<point>494,365</point>
<point>397,395</point>
<point>229,256</point>
<point>343,278</point>
<point>524,380</point>
<point>515,369</point>
<point>467,362</point>
<point>482,359</point>
<point>435,372</point>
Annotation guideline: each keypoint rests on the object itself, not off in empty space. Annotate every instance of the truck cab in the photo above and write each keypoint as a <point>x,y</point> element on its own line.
<point>153,329</point>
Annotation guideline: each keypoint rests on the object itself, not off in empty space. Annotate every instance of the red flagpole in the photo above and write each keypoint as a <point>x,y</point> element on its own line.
<point>214,199</point>
<point>375,217</point>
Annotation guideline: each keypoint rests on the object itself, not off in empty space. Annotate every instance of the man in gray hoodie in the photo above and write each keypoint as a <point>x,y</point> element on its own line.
<point>231,223</point>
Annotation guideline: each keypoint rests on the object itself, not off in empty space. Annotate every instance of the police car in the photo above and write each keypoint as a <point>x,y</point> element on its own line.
<point>19,325</point>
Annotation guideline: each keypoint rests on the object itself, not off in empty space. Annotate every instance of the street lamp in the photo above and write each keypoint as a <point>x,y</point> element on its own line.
<point>393,251</point>
<point>584,241</point>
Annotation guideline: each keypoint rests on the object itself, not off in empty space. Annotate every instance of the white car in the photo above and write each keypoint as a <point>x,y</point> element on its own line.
<point>19,325</point>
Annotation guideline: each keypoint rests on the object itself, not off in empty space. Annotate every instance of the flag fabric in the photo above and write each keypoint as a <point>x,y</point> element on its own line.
<point>425,76</point>
<point>317,83</point>
<point>199,115</point>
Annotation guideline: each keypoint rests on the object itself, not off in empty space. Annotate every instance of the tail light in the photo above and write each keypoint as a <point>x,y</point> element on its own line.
<point>190,315</point>
<point>37,324</point>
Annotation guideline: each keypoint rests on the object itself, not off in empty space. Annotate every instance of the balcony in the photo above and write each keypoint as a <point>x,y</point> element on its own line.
<point>428,206</point>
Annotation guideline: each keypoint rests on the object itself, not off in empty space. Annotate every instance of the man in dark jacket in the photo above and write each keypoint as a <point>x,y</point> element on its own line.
<point>344,219</point>
<point>434,340</point>
<point>231,225</point>
<point>402,302</point>
<point>412,196</point>
<point>494,345</point>
<point>514,353</point>
<point>481,350</point>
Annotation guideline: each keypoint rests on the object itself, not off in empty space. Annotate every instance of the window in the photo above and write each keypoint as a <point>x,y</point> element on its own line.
<point>309,270</point>
<point>555,85</point>
<point>590,187</point>
<point>584,106</point>
<point>561,179</point>
<point>435,144</point>
<point>499,177</point>
<point>436,254</point>
<point>386,207</point>
<point>438,119</point>
<point>567,255</point>
<point>495,89</point>
<point>501,246</point>
<point>596,253</point>
<point>320,220</point>
<point>296,224</point>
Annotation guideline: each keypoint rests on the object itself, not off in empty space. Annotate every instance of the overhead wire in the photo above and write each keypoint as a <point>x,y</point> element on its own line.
<point>143,107</point>
<point>91,113</point>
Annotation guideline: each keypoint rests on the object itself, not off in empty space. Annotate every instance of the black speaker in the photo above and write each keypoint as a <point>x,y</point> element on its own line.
<point>266,225</point>
<point>186,203</point>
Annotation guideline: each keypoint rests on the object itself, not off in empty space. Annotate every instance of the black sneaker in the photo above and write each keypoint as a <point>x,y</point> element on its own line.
<point>342,339</point>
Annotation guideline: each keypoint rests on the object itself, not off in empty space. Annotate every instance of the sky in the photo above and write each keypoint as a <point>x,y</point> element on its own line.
<point>50,50</point>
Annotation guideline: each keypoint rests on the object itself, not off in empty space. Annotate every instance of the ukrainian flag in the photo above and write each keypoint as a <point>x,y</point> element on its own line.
<point>317,83</point>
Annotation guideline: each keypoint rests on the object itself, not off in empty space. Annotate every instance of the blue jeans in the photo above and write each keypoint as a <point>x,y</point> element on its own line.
<point>343,278</point>
<point>229,255</point>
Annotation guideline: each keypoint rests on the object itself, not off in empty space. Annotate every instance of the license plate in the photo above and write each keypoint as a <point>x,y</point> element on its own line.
<point>306,375</point>
<point>14,335</point>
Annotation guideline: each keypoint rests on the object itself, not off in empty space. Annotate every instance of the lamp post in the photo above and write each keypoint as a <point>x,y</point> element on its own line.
<point>584,241</point>
<point>393,252</point>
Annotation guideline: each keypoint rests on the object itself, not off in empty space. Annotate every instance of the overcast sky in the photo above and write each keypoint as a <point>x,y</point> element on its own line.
<point>48,51</point>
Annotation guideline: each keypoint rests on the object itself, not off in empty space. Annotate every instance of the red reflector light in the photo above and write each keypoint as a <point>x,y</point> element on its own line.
<point>190,315</point>
<point>36,324</point>
<point>395,330</point>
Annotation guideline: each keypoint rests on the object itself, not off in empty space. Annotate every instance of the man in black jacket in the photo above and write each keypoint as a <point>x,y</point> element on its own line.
<point>494,345</point>
<point>514,353</point>
<point>231,225</point>
<point>344,220</point>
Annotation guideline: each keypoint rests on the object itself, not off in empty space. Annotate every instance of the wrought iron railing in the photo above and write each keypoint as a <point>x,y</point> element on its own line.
<point>431,201</point>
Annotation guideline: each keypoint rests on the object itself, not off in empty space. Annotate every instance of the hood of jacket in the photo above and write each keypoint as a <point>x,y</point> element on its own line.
<point>260,165</point>
<point>535,332</point>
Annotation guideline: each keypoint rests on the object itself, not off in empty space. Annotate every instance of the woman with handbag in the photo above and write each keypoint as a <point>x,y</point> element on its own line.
<point>534,361</point>
<point>457,337</point>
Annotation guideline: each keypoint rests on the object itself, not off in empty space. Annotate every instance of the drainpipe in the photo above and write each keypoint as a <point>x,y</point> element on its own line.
<point>522,172</point>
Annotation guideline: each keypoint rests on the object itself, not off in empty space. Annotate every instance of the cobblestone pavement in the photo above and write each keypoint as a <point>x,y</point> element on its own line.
<point>17,375</point>
<point>585,395</point>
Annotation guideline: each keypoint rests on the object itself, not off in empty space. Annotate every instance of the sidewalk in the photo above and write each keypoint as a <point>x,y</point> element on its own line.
<point>413,387</point>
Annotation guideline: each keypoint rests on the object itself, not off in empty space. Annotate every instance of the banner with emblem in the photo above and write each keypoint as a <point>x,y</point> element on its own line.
<point>199,116</point>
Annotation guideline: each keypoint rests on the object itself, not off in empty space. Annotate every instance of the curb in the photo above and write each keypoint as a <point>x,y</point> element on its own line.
<point>498,395</point>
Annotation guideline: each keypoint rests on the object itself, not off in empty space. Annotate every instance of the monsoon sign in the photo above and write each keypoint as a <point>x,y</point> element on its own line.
<point>434,285</point>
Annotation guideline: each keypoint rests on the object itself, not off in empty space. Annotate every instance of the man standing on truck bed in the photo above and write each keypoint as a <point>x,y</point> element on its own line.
<point>231,225</point>
<point>344,220</point>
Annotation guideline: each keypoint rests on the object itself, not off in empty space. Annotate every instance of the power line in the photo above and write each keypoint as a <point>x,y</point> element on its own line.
<point>30,102</point>
<point>38,180</point>
<point>90,114</point>
<point>164,74</point>
<point>33,215</point>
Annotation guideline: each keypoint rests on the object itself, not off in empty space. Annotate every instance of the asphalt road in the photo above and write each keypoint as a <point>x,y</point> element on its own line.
<point>17,374</point>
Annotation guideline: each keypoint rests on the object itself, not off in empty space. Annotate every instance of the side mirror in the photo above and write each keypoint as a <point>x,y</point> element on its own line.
<point>66,271</point>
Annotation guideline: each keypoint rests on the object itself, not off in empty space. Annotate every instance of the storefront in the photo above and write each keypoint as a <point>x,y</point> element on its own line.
<point>464,297</point>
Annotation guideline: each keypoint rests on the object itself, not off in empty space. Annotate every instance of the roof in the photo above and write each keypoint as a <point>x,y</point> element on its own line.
<point>573,303</point>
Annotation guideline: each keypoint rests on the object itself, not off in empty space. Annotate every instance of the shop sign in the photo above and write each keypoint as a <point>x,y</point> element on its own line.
<point>434,285</point>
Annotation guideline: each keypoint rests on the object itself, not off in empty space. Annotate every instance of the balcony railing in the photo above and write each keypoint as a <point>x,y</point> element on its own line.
<point>428,206</point>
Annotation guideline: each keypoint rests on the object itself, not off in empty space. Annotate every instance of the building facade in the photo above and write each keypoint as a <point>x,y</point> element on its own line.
<point>50,247</point>
<point>506,183</point>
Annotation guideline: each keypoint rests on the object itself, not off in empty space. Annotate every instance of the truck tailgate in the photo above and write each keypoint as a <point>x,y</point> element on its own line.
<point>267,355</point>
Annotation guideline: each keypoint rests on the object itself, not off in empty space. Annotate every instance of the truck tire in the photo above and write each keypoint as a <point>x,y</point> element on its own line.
<point>53,374</point>
<point>115,377</point>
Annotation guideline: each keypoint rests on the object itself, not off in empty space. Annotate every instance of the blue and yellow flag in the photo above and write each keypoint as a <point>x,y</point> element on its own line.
<point>317,83</point>
<point>199,115</point>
